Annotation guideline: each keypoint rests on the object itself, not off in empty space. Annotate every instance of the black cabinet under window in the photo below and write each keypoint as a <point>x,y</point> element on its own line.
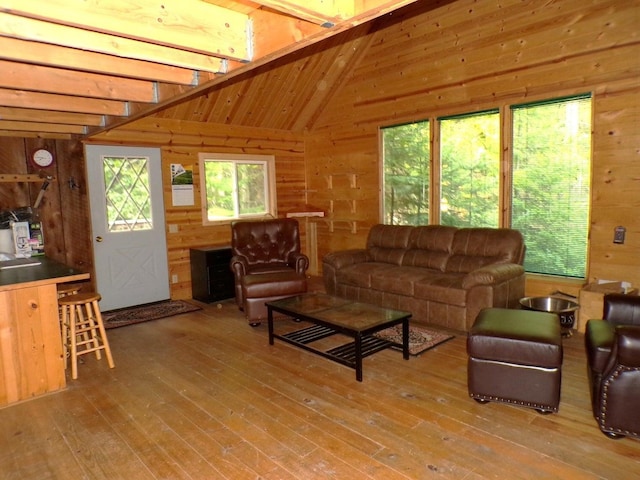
<point>211,276</point>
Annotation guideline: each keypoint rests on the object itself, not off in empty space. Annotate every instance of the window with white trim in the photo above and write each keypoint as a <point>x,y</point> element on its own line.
<point>237,187</point>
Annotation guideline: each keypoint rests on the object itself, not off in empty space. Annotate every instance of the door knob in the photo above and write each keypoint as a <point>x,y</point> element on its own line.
<point>98,239</point>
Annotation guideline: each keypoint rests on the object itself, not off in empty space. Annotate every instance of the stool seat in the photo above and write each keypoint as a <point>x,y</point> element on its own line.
<point>515,356</point>
<point>80,298</point>
<point>82,328</point>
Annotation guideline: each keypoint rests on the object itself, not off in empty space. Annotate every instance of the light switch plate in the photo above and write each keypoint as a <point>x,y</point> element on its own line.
<point>618,235</point>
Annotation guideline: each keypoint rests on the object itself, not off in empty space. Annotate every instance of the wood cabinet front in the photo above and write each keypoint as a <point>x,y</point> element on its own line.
<point>31,362</point>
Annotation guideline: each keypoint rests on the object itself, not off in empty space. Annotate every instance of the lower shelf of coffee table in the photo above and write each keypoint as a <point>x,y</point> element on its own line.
<point>344,354</point>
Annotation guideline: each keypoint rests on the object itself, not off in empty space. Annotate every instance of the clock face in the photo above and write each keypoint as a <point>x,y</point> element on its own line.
<point>42,157</point>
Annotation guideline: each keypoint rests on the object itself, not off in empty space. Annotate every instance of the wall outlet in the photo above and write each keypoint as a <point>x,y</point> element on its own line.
<point>618,234</point>
<point>173,228</point>
<point>174,278</point>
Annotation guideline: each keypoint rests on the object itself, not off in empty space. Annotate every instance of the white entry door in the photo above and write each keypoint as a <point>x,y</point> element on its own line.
<point>127,218</point>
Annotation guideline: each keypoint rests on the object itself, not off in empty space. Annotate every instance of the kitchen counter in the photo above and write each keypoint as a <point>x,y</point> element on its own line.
<point>31,358</point>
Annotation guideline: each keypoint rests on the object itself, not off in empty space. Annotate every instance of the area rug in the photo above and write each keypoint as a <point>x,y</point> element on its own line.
<point>420,339</point>
<point>144,313</point>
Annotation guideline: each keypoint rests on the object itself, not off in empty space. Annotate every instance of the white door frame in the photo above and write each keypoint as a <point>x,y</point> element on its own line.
<point>131,268</point>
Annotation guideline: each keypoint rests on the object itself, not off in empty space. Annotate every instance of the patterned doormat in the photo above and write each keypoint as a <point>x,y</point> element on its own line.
<point>420,339</point>
<point>144,313</point>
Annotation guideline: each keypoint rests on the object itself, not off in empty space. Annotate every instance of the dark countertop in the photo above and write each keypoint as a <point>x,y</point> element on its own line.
<point>49,271</point>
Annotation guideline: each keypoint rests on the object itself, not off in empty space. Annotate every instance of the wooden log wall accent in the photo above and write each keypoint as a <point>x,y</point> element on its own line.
<point>469,56</point>
<point>180,142</point>
<point>64,211</point>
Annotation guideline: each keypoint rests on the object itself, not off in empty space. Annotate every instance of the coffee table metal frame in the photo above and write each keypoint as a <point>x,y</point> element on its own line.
<point>349,354</point>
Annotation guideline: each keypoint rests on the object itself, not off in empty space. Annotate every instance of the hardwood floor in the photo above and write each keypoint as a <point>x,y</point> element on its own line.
<point>203,396</point>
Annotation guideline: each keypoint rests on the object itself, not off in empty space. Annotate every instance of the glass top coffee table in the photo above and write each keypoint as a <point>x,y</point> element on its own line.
<point>333,315</point>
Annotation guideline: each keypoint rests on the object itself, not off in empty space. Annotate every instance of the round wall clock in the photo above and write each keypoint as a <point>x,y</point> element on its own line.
<point>42,158</point>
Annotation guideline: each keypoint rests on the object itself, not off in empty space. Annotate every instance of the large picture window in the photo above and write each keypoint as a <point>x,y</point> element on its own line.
<point>547,161</point>
<point>470,170</point>
<point>237,186</point>
<point>406,174</point>
<point>551,184</point>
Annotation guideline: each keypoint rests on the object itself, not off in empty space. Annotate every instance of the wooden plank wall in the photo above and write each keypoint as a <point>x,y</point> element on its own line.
<point>180,142</point>
<point>469,56</point>
<point>64,211</point>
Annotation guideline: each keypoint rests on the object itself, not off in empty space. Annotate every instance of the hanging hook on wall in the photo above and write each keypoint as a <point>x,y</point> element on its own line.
<point>72,183</point>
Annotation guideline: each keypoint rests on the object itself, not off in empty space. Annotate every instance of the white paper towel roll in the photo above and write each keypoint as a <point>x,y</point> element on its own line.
<point>6,241</point>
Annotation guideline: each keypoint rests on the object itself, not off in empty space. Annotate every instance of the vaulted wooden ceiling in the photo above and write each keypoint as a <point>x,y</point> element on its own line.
<point>72,68</point>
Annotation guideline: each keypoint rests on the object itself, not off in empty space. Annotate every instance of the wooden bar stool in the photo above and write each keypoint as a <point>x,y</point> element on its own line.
<point>65,289</point>
<point>83,328</point>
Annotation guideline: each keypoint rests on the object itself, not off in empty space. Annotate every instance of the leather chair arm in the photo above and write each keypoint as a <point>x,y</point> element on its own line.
<point>239,266</point>
<point>628,345</point>
<point>492,274</point>
<point>622,309</point>
<point>299,262</point>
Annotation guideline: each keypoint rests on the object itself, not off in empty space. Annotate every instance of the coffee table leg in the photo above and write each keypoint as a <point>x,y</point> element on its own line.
<point>270,323</point>
<point>405,339</point>
<point>358,352</point>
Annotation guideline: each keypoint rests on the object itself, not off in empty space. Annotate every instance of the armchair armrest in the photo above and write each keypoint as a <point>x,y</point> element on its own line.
<point>628,345</point>
<point>492,274</point>
<point>239,266</point>
<point>299,262</point>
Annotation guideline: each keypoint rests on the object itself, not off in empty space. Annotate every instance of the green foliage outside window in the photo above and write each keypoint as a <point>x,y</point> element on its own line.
<point>470,158</point>
<point>551,184</point>
<point>406,174</point>
<point>550,197</point>
<point>128,194</point>
<point>236,188</point>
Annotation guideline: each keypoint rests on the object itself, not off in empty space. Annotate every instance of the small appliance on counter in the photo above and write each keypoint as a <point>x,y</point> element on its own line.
<point>21,232</point>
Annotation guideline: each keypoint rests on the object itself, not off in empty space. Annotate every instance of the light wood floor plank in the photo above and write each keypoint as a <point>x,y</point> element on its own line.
<point>204,396</point>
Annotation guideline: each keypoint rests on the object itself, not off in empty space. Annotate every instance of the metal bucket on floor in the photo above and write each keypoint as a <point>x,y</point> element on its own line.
<point>563,307</point>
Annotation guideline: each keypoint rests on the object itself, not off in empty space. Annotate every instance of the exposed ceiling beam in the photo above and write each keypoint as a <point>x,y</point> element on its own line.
<point>97,64</point>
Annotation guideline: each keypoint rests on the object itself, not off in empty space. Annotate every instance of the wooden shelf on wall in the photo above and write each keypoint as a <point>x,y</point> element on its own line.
<point>22,177</point>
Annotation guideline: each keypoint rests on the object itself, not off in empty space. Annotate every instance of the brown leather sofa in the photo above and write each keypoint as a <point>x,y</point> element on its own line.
<point>613,365</point>
<point>442,275</point>
<point>267,264</point>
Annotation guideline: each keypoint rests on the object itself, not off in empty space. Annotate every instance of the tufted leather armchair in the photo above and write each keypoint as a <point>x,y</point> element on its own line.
<point>613,364</point>
<point>266,247</point>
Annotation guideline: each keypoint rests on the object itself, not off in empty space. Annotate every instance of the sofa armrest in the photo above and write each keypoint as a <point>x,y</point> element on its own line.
<point>492,274</point>
<point>344,258</point>
<point>334,261</point>
<point>299,262</point>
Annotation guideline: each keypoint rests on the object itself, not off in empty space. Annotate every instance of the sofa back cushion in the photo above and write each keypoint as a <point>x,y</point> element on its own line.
<point>430,247</point>
<point>473,248</point>
<point>388,243</point>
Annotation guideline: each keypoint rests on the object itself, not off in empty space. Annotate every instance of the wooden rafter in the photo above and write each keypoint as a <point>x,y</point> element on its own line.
<point>77,67</point>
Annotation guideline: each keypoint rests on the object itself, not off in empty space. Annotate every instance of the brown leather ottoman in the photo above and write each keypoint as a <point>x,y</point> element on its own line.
<point>515,356</point>
<point>265,287</point>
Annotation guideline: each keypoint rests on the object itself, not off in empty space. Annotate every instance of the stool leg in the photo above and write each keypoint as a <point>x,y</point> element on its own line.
<point>92,329</point>
<point>64,332</point>
<point>73,341</point>
<point>103,333</point>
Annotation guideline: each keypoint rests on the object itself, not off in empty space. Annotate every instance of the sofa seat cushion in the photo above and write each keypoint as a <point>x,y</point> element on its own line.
<point>443,288</point>
<point>359,275</point>
<point>399,280</point>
